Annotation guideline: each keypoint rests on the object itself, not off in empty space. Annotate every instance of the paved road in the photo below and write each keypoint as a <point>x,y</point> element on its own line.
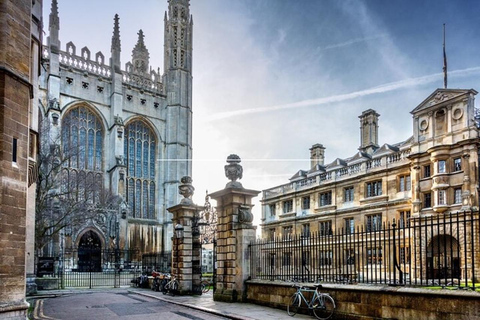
<point>110,304</point>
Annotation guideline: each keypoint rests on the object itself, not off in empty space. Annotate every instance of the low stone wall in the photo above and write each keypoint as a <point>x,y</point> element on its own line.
<point>377,302</point>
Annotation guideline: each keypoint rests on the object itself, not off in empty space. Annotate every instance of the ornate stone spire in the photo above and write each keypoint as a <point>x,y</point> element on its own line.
<point>116,34</point>
<point>140,55</point>
<point>116,45</point>
<point>54,25</point>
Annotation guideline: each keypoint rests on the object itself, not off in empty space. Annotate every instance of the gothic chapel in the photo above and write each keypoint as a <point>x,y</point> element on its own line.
<point>131,125</point>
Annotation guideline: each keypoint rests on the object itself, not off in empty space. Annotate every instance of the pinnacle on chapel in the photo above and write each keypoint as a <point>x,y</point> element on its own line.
<point>116,35</point>
<point>54,26</point>
<point>140,55</point>
<point>116,45</point>
<point>54,22</point>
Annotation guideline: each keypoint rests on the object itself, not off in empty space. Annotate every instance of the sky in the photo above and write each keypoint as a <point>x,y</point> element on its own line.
<point>273,77</point>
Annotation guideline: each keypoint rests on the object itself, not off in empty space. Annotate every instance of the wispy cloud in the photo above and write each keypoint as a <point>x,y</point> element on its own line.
<point>352,41</point>
<point>411,82</point>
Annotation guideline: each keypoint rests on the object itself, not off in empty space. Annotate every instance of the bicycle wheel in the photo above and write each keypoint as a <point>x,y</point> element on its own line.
<point>163,286</point>
<point>174,286</point>
<point>323,307</point>
<point>205,286</point>
<point>293,305</point>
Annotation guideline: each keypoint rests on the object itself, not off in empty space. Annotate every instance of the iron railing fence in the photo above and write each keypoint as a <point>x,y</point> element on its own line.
<point>158,261</point>
<point>441,249</point>
<point>90,267</point>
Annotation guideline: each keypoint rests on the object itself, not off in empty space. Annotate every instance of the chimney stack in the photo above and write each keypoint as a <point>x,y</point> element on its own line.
<point>317,155</point>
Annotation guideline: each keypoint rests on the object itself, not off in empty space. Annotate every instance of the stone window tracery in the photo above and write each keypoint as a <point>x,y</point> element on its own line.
<point>139,150</point>
<point>82,143</point>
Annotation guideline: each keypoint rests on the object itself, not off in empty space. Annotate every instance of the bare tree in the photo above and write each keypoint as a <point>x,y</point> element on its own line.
<point>66,196</point>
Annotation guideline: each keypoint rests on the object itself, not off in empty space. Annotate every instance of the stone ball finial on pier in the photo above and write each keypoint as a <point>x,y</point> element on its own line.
<point>233,171</point>
<point>186,190</point>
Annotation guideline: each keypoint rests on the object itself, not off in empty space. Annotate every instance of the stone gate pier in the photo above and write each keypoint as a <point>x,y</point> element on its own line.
<point>187,249</point>
<point>234,233</point>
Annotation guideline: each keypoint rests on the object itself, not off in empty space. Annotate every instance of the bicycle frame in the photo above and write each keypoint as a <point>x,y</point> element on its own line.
<point>316,295</point>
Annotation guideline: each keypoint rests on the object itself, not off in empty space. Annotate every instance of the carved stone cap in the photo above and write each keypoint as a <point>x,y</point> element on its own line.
<point>186,190</point>
<point>233,171</point>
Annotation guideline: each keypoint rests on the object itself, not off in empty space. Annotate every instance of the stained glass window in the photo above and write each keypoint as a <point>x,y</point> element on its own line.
<point>140,156</point>
<point>82,145</point>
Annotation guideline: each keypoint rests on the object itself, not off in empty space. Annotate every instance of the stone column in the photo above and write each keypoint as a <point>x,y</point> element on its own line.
<point>234,233</point>
<point>185,250</point>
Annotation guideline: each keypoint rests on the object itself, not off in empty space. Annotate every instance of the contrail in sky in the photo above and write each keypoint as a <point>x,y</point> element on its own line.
<point>353,41</point>
<point>344,97</point>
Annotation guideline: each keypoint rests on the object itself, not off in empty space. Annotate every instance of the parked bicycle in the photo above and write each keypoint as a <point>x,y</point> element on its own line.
<point>171,286</point>
<point>206,286</point>
<point>322,304</point>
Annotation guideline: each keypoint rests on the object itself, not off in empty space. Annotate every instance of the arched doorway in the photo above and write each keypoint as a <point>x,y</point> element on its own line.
<point>443,258</point>
<point>90,252</point>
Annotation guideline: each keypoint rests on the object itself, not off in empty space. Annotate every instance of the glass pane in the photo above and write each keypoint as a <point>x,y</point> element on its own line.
<point>138,198</point>
<point>130,196</point>
<point>152,201</point>
<point>145,159</point>
<point>131,157</point>
<point>81,151</point>
<point>152,160</point>
<point>145,200</point>
<point>98,151</point>
<point>138,160</point>
<point>91,136</point>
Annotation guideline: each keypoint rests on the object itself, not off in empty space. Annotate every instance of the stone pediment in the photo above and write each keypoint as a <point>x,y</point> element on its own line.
<point>317,169</point>
<point>301,174</point>
<point>440,96</point>
<point>337,163</point>
<point>358,157</point>
<point>385,149</point>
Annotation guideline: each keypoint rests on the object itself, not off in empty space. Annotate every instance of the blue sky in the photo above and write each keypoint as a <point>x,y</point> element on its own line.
<point>274,77</point>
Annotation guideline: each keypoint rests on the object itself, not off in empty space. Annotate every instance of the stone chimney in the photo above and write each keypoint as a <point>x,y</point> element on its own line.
<point>368,131</point>
<point>317,155</point>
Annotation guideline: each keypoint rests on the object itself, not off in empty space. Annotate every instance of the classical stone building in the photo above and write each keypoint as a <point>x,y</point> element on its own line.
<point>130,126</point>
<point>20,44</point>
<point>431,174</point>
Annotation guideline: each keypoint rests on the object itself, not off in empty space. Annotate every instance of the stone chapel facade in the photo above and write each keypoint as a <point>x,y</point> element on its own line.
<point>131,125</point>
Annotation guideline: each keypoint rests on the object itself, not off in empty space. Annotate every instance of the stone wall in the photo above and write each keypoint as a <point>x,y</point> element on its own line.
<point>15,95</point>
<point>377,302</point>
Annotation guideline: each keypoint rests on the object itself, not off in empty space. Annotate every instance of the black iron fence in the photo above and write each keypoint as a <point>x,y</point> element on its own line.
<point>89,268</point>
<point>441,249</point>
<point>159,261</point>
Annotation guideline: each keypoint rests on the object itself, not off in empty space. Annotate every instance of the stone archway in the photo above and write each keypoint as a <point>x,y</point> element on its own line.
<point>443,257</point>
<point>90,252</point>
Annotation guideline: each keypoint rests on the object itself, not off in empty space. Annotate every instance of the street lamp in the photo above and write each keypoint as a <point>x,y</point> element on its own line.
<point>178,231</point>
<point>178,236</point>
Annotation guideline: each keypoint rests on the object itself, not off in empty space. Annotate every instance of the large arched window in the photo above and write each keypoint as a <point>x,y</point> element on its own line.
<point>82,153</point>
<point>140,161</point>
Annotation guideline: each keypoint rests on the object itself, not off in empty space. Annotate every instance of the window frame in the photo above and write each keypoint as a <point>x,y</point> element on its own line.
<point>273,209</point>
<point>456,196</point>
<point>427,171</point>
<point>349,225</point>
<point>306,203</point>
<point>427,195</point>
<point>349,194</point>
<point>325,198</point>
<point>442,197</point>
<point>404,183</point>
<point>287,204</point>
<point>373,222</point>
<point>325,228</point>
<point>457,164</point>
<point>442,166</point>
<point>373,189</point>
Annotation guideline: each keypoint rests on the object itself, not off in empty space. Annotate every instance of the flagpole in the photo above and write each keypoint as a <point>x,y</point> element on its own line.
<point>444,60</point>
